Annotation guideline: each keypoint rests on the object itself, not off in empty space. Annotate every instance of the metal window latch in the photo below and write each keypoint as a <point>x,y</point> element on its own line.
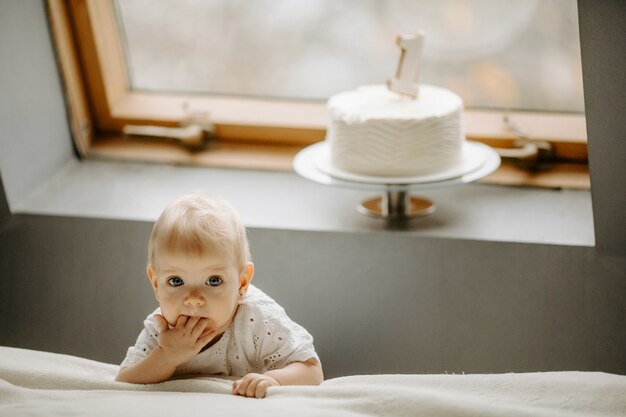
<point>194,134</point>
<point>528,154</point>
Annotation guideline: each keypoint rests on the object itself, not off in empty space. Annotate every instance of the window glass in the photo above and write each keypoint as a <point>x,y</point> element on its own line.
<point>513,54</point>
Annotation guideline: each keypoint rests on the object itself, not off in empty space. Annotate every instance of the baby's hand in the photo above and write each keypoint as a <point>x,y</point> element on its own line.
<point>254,385</point>
<point>183,341</point>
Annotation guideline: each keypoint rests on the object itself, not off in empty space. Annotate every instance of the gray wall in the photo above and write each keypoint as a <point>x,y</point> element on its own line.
<point>376,302</point>
<point>5,212</point>
<point>603,50</point>
<point>387,303</point>
<point>34,130</point>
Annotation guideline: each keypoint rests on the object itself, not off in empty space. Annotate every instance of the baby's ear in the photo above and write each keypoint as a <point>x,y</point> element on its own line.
<point>153,280</point>
<point>244,280</point>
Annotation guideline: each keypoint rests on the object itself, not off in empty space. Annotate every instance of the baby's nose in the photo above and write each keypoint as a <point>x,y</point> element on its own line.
<point>194,300</point>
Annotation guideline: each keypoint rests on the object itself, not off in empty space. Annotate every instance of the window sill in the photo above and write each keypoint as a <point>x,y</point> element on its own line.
<point>285,201</point>
<point>280,158</point>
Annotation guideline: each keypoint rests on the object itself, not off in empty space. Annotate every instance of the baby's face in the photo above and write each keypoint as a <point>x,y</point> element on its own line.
<point>202,286</point>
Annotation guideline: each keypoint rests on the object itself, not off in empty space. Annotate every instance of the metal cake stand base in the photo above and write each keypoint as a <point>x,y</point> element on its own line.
<point>396,205</point>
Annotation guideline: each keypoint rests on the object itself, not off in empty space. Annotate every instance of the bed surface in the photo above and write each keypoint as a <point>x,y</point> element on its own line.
<point>34,383</point>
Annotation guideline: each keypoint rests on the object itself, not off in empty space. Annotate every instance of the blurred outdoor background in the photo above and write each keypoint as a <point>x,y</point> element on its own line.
<point>513,54</point>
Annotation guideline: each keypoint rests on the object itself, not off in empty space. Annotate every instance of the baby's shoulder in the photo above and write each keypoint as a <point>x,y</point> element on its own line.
<point>150,322</point>
<point>260,307</point>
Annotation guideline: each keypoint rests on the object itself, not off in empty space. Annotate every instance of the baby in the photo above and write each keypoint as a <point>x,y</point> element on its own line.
<point>211,320</point>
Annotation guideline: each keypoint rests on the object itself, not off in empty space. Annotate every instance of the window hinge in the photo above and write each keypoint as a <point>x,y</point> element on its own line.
<point>196,135</point>
<point>533,155</point>
<point>192,137</point>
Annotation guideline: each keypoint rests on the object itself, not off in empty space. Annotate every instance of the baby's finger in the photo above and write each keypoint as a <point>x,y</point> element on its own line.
<point>191,322</point>
<point>236,386</point>
<point>181,321</point>
<point>242,386</point>
<point>161,323</point>
<point>198,330</point>
<point>251,390</point>
<point>261,388</point>
<point>206,337</point>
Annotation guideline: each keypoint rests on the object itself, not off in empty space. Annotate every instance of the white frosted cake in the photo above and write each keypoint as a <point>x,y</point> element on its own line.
<point>376,132</point>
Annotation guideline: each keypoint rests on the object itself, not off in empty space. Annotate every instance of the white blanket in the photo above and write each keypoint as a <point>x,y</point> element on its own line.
<point>36,383</point>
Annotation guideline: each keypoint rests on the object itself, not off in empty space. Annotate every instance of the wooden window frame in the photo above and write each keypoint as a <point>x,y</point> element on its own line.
<point>251,132</point>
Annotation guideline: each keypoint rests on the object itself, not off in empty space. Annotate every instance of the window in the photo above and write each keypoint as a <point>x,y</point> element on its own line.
<point>517,67</point>
<point>495,53</point>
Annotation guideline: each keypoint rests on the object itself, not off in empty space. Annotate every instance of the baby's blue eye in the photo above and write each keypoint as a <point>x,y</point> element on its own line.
<point>175,281</point>
<point>214,281</point>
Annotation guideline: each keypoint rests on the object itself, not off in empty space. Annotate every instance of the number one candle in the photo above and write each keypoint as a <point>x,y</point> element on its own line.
<point>405,81</point>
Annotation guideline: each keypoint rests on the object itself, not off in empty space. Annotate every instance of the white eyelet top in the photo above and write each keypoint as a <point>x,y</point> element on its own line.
<point>260,338</point>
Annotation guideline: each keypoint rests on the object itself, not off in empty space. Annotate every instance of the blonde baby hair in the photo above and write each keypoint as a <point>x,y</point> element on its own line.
<point>198,224</point>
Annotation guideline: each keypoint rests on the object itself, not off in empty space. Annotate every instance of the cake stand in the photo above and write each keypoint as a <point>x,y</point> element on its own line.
<point>396,202</point>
